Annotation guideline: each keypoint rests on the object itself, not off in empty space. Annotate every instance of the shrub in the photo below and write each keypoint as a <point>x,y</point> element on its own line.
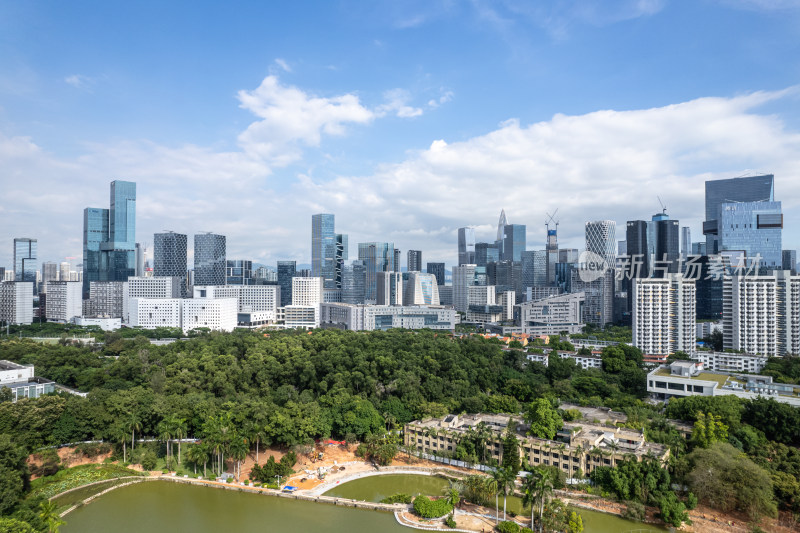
<point>398,498</point>
<point>634,511</point>
<point>691,501</point>
<point>508,527</point>
<point>149,460</point>
<point>427,508</point>
<point>450,522</point>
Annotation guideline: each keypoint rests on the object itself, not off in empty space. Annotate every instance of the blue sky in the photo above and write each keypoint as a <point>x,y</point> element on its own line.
<point>405,119</point>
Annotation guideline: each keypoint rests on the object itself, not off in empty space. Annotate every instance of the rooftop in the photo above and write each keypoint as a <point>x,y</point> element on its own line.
<point>8,365</point>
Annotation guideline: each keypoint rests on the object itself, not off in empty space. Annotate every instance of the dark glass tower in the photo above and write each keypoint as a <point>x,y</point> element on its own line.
<point>25,260</point>
<point>323,249</point>
<point>733,190</point>
<point>286,271</point>
<point>514,242</point>
<point>209,259</point>
<point>169,255</point>
<point>437,269</point>
<point>414,263</point>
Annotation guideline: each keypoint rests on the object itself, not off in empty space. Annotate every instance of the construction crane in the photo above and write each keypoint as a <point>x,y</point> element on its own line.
<point>551,219</point>
<point>663,207</point>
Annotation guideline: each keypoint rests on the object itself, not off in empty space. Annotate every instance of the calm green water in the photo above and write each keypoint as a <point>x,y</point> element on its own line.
<point>159,506</point>
<point>376,488</point>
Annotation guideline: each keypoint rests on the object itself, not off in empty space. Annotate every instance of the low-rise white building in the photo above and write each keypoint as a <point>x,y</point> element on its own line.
<point>731,362</point>
<point>302,316</point>
<point>106,324</point>
<point>585,361</point>
<point>13,372</point>
<point>151,313</point>
<point>383,317</point>
<point>158,287</point>
<point>217,314</point>
<point>689,378</point>
<point>552,315</point>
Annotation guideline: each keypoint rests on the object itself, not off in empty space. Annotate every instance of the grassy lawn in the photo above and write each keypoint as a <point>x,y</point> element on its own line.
<point>70,478</point>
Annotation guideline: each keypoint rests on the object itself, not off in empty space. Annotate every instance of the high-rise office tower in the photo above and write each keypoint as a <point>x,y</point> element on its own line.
<point>323,249</point>
<point>377,257</point>
<point>501,225</point>
<point>238,272</point>
<point>389,288</point>
<point>622,248</point>
<point>513,242</point>
<point>667,250</point>
<point>699,248</point>
<point>486,253</point>
<point>25,260</point>
<point>414,261</point>
<point>601,239</point>
<point>466,246</point>
<point>286,271</point>
<point>463,278</point>
<point>354,280</point>
<point>49,272</point>
<point>63,271</point>
<point>686,241</point>
<point>437,269</point>
<point>729,191</point>
<point>756,229</point>
<point>140,259</point>
<point>551,247</point>
<point>170,251</point>
<point>209,259</point>
<point>637,259</point>
<point>397,258</point>
<point>342,254</point>
<point>109,237</point>
<point>421,289</point>
<point>534,268</point>
<point>789,260</point>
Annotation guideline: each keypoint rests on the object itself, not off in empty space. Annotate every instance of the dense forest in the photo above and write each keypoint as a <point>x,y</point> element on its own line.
<point>288,388</point>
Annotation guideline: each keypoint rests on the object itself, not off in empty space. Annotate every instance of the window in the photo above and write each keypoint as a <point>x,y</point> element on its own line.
<point>675,386</point>
<point>661,385</point>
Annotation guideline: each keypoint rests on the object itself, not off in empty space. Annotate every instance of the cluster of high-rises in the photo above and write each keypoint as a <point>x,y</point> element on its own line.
<point>655,280</point>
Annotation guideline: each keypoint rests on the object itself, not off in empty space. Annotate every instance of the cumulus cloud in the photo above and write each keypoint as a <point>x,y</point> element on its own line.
<point>289,117</point>
<point>283,64</point>
<point>602,165</point>
<point>397,103</point>
<point>446,96</point>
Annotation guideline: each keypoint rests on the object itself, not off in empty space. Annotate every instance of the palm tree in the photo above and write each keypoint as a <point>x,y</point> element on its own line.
<point>238,449</point>
<point>538,489</point>
<point>165,434</point>
<point>194,455</point>
<point>120,434</point>
<point>453,491</point>
<point>179,428</point>
<point>498,479</point>
<point>508,480</point>
<point>134,425</point>
<point>49,515</point>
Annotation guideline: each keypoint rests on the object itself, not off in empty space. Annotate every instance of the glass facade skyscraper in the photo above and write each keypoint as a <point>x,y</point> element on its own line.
<point>466,246</point>
<point>323,249</point>
<point>601,239</point>
<point>755,228</point>
<point>238,272</point>
<point>719,192</point>
<point>437,269</point>
<point>514,242</point>
<point>414,261</point>
<point>209,259</point>
<point>286,271</point>
<point>25,260</point>
<point>170,254</point>
<point>377,257</point>
<point>109,237</point>
<point>486,253</point>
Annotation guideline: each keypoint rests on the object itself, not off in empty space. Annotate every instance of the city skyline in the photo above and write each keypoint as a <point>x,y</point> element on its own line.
<point>404,146</point>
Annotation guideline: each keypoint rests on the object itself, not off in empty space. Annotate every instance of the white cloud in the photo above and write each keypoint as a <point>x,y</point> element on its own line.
<point>79,81</point>
<point>397,103</point>
<point>605,164</point>
<point>446,96</point>
<point>283,64</point>
<point>289,117</point>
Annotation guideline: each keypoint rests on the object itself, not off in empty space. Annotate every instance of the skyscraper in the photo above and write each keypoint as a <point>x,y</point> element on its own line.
<point>437,269</point>
<point>342,253</point>
<point>109,237</point>
<point>551,247</point>
<point>514,237</point>
<point>49,272</point>
<point>686,241</point>
<point>170,254</point>
<point>414,262</point>
<point>728,191</point>
<point>389,288</point>
<point>377,257</point>
<point>486,253</point>
<point>209,259</point>
<point>286,271</point>
<point>667,250</point>
<point>323,249</point>
<point>354,282</point>
<point>601,239</point>
<point>463,279</point>
<point>25,260</point>
<point>466,246</point>
<point>754,228</point>
<point>789,260</point>
<point>238,272</point>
